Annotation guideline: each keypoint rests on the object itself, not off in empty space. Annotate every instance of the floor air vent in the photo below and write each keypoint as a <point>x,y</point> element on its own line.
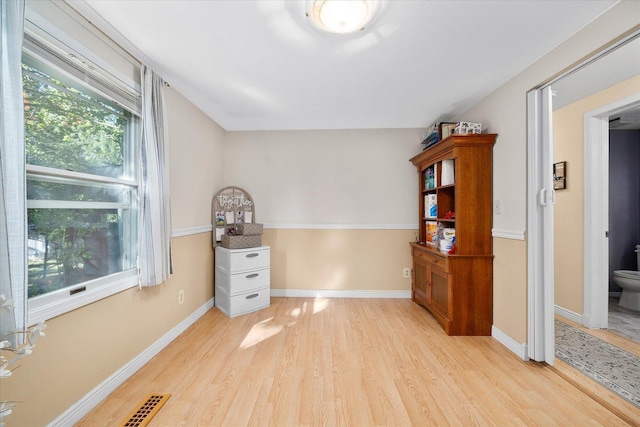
<point>146,410</point>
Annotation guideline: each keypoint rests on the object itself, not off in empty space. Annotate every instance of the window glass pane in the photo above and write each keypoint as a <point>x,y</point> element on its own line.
<point>70,129</point>
<point>48,189</point>
<point>82,226</point>
<point>70,246</point>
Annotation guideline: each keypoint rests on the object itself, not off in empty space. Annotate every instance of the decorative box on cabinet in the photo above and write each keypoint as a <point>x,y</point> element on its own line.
<point>457,287</point>
<point>243,282</point>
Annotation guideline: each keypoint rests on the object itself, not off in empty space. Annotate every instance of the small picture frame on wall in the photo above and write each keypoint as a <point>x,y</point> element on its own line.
<point>560,176</point>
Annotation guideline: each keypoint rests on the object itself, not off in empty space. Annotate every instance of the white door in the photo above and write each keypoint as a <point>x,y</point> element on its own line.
<point>540,199</point>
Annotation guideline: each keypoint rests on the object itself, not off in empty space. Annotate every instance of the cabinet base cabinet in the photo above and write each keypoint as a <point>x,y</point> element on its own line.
<point>457,290</point>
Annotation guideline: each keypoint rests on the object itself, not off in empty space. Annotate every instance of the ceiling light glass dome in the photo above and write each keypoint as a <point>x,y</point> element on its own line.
<point>342,16</point>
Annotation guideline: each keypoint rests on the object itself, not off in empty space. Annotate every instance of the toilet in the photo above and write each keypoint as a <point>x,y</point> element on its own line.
<point>629,281</point>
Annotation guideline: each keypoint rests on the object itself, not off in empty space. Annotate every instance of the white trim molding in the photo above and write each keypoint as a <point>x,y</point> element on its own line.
<point>341,226</point>
<point>188,231</point>
<point>98,394</point>
<point>568,314</point>
<point>324,293</point>
<point>508,234</point>
<point>520,349</point>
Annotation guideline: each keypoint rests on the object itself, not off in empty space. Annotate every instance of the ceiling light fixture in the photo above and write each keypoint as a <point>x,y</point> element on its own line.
<point>342,16</point>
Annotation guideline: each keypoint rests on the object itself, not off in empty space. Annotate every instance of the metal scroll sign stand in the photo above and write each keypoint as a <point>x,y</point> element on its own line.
<point>231,208</point>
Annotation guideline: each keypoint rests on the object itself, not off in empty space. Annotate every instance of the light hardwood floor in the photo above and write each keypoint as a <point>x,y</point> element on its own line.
<point>359,362</point>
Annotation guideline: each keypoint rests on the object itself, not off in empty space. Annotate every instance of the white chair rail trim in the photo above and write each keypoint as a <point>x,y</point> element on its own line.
<point>187,231</point>
<point>509,234</point>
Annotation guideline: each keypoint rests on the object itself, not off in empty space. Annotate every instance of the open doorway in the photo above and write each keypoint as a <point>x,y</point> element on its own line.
<point>610,162</point>
<point>579,240</point>
<point>569,226</point>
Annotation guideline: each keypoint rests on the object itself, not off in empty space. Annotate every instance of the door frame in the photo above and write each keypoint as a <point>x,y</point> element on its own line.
<point>596,213</point>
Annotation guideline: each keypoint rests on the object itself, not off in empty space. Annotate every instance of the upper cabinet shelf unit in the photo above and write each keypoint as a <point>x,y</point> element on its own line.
<point>455,176</point>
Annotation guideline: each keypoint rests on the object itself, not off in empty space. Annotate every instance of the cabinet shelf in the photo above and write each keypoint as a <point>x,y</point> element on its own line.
<point>456,288</point>
<point>435,189</point>
<point>449,220</point>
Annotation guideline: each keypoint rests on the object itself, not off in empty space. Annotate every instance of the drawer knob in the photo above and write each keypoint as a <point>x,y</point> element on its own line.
<point>251,296</point>
<point>251,276</point>
<point>253,255</point>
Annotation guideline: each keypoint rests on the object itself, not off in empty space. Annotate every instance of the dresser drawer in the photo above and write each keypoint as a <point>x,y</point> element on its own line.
<point>242,259</point>
<point>439,261</point>
<point>247,302</point>
<point>246,281</point>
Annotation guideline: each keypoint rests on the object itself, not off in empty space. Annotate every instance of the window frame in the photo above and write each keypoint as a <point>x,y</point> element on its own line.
<point>58,56</point>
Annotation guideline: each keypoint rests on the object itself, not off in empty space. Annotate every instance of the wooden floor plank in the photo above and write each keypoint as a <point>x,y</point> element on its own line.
<point>316,361</point>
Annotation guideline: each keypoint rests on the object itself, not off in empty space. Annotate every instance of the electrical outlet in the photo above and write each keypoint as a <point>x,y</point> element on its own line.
<point>406,272</point>
<point>180,296</point>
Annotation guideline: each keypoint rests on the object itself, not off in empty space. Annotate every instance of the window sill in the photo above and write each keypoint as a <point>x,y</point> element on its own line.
<point>48,306</point>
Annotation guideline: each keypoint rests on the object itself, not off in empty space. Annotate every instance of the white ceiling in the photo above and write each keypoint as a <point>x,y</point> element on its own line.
<point>259,65</point>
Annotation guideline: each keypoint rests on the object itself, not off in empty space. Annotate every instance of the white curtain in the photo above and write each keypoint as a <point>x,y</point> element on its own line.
<point>13,217</point>
<point>155,211</point>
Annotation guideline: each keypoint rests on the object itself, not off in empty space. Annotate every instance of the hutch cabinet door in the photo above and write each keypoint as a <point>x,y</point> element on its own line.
<point>420,282</point>
<point>438,290</point>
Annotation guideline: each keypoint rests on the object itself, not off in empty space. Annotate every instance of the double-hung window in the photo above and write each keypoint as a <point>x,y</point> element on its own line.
<point>82,138</point>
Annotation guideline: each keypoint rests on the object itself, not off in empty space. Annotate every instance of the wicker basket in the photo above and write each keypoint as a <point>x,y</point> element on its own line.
<point>241,242</point>
<point>249,229</point>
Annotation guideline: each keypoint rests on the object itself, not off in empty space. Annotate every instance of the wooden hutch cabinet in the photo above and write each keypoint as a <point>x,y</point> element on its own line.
<point>455,194</point>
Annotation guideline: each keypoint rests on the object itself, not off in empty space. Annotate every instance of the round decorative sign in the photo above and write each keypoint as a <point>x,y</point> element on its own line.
<point>232,207</point>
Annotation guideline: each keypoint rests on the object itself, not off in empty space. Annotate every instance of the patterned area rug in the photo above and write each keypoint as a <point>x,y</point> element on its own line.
<point>614,368</point>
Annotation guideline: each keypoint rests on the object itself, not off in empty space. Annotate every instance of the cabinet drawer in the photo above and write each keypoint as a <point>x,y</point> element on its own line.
<point>246,281</point>
<point>440,262</point>
<point>247,302</point>
<point>234,260</point>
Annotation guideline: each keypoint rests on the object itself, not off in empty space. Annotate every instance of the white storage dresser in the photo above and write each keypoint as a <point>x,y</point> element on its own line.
<point>243,282</point>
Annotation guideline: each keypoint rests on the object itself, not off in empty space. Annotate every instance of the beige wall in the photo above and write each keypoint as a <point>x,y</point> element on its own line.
<point>510,289</point>
<point>339,206</point>
<point>505,112</point>
<point>568,124</point>
<point>351,177</point>
<point>358,260</point>
<point>196,165</point>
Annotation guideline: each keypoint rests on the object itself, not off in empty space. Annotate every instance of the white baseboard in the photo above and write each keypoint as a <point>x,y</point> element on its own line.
<point>323,293</point>
<point>568,314</point>
<point>520,349</point>
<point>98,394</point>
